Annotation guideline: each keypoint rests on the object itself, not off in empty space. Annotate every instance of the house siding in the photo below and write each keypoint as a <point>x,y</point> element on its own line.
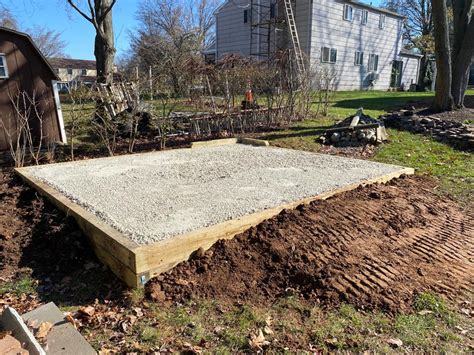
<point>329,29</point>
<point>320,24</point>
<point>410,71</point>
<point>233,35</point>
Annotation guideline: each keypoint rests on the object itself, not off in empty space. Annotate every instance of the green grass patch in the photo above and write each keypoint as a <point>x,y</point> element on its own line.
<point>453,168</point>
<point>23,285</point>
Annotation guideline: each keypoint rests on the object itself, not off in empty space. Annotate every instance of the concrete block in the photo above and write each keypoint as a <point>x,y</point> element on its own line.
<point>63,337</point>
<point>11,320</point>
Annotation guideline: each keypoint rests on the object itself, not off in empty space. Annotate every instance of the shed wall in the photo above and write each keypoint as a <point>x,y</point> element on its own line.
<point>27,73</point>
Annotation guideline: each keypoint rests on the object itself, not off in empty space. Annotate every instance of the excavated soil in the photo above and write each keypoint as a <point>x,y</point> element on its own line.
<point>374,247</point>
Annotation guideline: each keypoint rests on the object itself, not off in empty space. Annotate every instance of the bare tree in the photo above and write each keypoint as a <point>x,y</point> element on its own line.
<point>7,19</point>
<point>171,33</point>
<point>99,14</point>
<point>48,41</point>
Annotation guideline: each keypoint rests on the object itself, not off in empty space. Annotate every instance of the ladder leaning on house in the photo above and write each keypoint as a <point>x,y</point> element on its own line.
<point>290,18</point>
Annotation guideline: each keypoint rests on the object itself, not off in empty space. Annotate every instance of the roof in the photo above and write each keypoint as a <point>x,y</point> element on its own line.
<point>375,8</point>
<point>409,53</point>
<point>68,63</point>
<point>30,40</point>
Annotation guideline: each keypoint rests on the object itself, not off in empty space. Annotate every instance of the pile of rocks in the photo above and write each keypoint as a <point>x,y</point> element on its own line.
<point>441,130</point>
<point>359,129</point>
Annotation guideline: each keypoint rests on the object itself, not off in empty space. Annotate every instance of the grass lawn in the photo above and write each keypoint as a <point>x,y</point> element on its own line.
<point>453,169</point>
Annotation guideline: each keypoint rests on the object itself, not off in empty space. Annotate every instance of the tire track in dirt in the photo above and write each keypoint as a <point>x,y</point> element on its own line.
<point>376,246</point>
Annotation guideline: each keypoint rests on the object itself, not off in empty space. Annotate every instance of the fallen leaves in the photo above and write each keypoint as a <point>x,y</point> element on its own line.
<point>43,330</point>
<point>257,340</point>
<point>88,311</point>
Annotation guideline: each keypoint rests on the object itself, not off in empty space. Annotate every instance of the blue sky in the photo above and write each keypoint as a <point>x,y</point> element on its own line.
<point>75,30</point>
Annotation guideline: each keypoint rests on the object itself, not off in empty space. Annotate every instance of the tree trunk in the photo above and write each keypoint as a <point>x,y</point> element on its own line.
<point>104,49</point>
<point>443,100</point>
<point>463,49</point>
<point>423,70</point>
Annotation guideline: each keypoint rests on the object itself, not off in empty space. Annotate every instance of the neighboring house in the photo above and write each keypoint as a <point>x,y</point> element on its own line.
<point>24,70</point>
<point>74,72</point>
<point>362,44</point>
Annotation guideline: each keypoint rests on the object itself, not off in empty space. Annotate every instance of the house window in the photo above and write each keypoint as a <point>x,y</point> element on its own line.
<point>348,12</point>
<point>272,10</point>
<point>359,58</point>
<point>3,66</point>
<point>246,16</point>
<point>69,71</point>
<point>382,21</point>
<point>373,62</point>
<point>328,55</point>
<point>365,17</point>
<point>84,72</point>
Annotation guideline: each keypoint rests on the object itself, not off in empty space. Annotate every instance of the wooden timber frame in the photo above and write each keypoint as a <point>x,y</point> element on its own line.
<point>136,264</point>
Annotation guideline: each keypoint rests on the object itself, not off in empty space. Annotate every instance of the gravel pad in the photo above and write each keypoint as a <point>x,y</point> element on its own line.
<point>154,196</point>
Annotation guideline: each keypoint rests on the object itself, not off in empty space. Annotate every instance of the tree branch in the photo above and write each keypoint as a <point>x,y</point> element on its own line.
<point>75,7</point>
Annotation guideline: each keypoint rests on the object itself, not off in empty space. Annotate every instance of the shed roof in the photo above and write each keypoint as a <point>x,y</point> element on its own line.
<point>30,40</point>
<point>69,63</point>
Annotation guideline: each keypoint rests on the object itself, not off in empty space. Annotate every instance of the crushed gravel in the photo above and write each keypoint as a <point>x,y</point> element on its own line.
<point>154,196</point>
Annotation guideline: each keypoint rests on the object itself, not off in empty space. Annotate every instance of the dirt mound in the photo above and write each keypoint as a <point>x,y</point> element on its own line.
<point>372,247</point>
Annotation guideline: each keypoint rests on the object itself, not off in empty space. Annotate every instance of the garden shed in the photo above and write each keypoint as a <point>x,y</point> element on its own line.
<point>28,88</point>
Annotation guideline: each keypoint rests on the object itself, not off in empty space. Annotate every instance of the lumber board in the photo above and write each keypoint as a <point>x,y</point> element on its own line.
<point>253,141</point>
<point>213,143</point>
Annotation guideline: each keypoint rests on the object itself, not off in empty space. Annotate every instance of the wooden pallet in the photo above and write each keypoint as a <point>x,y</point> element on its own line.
<point>136,264</point>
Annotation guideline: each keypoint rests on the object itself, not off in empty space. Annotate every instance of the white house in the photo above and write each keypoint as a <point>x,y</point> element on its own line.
<point>362,43</point>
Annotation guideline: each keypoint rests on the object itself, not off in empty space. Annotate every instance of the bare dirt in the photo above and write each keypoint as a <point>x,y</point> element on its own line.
<point>374,247</point>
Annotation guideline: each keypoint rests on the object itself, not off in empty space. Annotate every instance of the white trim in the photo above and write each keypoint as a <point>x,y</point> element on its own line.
<point>59,111</point>
<point>3,57</point>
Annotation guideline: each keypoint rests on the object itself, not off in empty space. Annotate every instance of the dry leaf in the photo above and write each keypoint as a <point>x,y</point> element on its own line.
<point>267,330</point>
<point>88,311</point>
<point>257,340</point>
<point>268,321</point>
<point>70,319</point>
<point>424,312</point>
<point>138,311</point>
<point>43,330</point>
